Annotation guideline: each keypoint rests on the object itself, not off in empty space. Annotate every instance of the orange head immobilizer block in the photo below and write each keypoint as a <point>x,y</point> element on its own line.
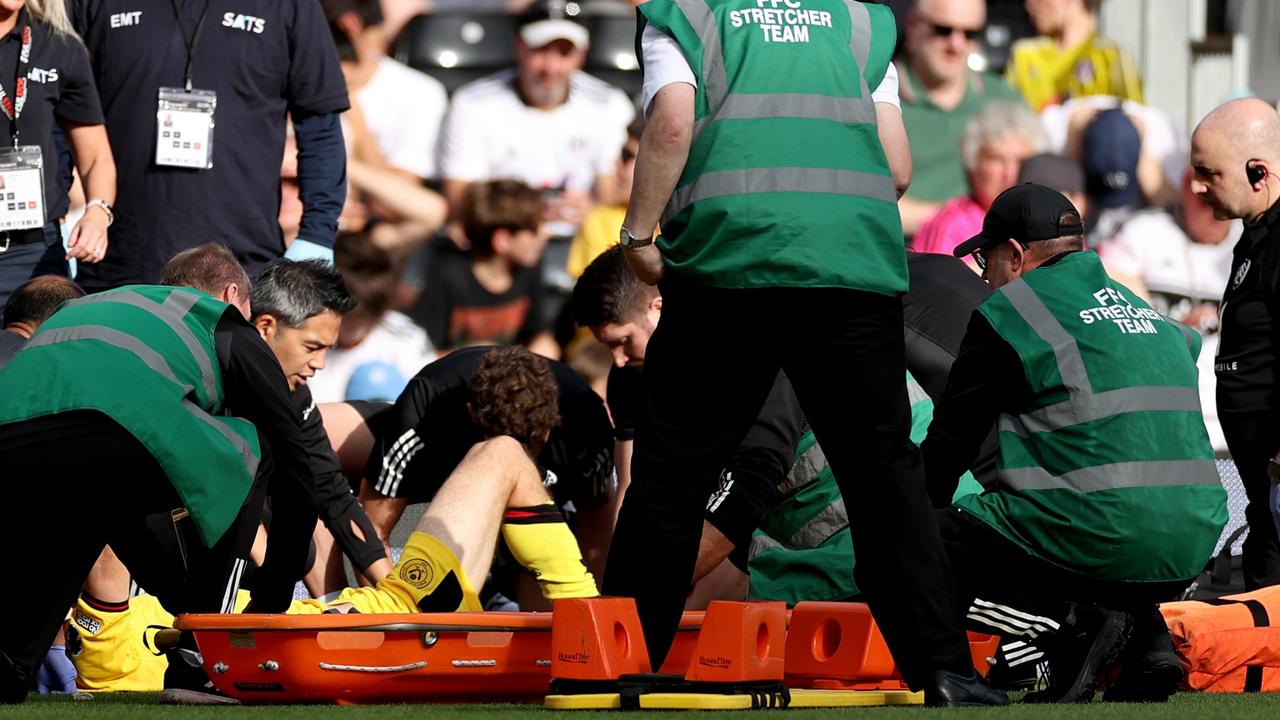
<point>740,642</point>
<point>596,639</point>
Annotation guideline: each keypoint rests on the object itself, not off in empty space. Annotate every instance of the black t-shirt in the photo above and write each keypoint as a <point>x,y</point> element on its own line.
<point>456,310</point>
<point>264,59</point>
<point>422,438</point>
<point>1250,335</point>
<point>935,312</point>
<point>59,85</point>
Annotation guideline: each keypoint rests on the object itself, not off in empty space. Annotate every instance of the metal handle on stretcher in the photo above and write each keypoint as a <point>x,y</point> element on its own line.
<point>375,668</point>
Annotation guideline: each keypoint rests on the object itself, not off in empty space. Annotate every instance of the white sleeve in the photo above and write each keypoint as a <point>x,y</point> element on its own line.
<point>462,143</point>
<point>887,91</point>
<point>664,64</point>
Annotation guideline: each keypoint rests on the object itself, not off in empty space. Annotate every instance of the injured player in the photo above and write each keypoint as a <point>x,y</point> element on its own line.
<point>496,488</point>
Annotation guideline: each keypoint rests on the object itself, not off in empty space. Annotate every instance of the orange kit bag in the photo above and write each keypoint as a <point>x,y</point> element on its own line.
<point>1228,644</point>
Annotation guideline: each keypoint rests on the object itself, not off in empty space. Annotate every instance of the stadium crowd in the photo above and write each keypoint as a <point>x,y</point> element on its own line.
<point>397,184</point>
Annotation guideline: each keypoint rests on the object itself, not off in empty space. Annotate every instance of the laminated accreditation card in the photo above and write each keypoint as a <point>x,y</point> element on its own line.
<point>184,128</point>
<point>21,188</point>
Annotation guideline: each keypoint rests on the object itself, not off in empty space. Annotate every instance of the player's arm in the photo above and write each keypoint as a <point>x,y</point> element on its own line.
<point>255,389</point>
<point>339,510</point>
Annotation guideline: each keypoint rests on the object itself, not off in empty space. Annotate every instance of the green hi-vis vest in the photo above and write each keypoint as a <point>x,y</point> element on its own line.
<point>144,356</point>
<point>786,183</point>
<point>803,549</point>
<point>1108,472</point>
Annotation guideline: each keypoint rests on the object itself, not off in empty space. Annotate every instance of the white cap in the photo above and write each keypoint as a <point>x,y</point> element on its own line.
<point>544,32</point>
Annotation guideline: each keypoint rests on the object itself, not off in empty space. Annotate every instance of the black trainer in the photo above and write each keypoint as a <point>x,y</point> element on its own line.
<point>1090,640</point>
<point>186,682</point>
<point>954,690</point>
<point>1151,678</point>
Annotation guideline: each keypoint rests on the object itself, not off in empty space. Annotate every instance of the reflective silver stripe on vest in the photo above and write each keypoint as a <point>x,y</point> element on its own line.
<point>779,180</point>
<point>1043,323</point>
<point>714,80</point>
<point>916,393</point>
<point>761,543</point>
<point>794,105</point>
<point>829,521</point>
<point>1088,408</point>
<point>156,362</point>
<point>803,471</point>
<point>115,338</point>
<point>1146,473</point>
<point>241,445</point>
<point>721,105</point>
<point>860,42</point>
<point>1083,405</point>
<point>172,311</point>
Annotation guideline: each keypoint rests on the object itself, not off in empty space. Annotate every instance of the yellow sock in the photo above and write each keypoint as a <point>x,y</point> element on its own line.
<point>541,541</point>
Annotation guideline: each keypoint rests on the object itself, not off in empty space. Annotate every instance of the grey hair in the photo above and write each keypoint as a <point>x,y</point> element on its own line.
<point>292,292</point>
<point>996,121</point>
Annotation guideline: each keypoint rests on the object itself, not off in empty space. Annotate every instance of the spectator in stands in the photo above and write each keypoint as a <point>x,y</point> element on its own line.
<point>1070,59</point>
<point>1182,256</point>
<point>1164,146</point>
<point>545,122</point>
<point>267,65</point>
<point>373,331</point>
<point>1110,150</point>
<point>940,94</point>
<point>600,229</point>
<point>402,108</point>
<point>995,143</point>
<point>492,294</point>
<point>30,304</point>
<point>59,96</point>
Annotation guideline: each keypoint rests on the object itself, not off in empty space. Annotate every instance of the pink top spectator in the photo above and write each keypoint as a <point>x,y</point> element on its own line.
<point>956,222</point>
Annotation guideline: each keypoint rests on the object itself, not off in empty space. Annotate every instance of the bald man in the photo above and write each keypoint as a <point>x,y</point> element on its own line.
<point>1235,155</point>
<point>29,305</point>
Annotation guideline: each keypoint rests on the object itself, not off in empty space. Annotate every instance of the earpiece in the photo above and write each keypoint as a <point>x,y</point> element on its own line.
<point>1255,173</point>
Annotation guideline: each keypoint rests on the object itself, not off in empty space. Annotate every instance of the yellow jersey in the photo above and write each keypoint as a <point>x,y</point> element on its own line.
<point>1046,74</point>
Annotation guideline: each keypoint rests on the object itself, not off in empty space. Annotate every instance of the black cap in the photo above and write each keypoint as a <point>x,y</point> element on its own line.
<point>1026,213</point>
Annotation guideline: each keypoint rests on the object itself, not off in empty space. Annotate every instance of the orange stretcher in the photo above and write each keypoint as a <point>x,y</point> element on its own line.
<point>393,658</point>
<point>508,657</point>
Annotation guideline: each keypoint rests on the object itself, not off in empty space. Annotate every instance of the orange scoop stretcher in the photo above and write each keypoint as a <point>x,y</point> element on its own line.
<point>361,659</point>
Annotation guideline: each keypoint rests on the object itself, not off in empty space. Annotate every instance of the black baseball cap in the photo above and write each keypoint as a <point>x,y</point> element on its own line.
<point>1026,212</point>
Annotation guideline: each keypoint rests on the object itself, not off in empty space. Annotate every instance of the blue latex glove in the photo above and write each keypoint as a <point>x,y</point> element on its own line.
<point>307,250</point>
<point>56,673</point>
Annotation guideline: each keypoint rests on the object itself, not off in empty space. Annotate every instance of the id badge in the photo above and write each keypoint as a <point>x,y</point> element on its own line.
<point>21,188</point>
<point>184,128</point>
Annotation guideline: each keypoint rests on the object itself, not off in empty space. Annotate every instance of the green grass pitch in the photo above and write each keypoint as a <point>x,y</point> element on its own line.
<point>143,706</point>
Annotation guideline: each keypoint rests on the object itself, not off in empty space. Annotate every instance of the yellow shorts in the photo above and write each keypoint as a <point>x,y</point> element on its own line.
<point>113,655</point>
<point>428,578</point>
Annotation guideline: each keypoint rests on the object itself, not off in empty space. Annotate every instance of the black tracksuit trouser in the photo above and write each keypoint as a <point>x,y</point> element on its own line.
<point>710,364</point>
<point>76,482</point>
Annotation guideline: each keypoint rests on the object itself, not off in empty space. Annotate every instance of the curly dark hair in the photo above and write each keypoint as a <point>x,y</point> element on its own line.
<point>514,393</point>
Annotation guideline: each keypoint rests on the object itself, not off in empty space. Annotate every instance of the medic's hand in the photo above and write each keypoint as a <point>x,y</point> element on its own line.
<point>306,250</point>
<point>646,263</point>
